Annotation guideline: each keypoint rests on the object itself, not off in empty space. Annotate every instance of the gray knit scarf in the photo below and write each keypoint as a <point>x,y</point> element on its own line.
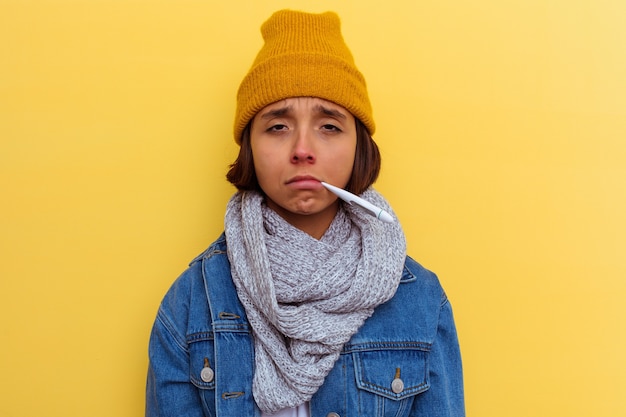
<point>305,298</point>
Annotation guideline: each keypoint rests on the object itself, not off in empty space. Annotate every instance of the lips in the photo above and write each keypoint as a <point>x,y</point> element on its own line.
<point>302,182</point>
<point>300,178</point>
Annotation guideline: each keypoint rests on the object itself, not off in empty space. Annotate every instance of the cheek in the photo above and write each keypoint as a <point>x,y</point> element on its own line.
<point>264,166</point>
<point>343,159</point>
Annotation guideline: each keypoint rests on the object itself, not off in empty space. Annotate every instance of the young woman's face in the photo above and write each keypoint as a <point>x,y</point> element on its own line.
<point>296,143</point>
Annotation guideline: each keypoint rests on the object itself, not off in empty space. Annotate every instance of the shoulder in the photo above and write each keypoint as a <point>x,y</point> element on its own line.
<point>422,281</point>
<point>412,314</point>
<point>193,276</point>
<point>215,248</point>
<point>185,307</point>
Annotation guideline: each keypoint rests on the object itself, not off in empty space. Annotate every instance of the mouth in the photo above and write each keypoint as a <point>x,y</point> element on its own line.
<point>304,181</point>
<point>299,178</point>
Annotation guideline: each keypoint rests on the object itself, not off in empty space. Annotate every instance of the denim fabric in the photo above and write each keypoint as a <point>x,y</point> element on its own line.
<point>201,322</point>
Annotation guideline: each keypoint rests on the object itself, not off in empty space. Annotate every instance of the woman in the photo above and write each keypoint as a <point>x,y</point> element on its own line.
<point>305,306</point>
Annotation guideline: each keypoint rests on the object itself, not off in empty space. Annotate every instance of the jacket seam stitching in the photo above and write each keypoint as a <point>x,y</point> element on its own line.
<point>169,327</point>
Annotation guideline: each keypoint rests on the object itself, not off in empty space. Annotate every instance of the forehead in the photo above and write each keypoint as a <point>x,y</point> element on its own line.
<point>311,104</point>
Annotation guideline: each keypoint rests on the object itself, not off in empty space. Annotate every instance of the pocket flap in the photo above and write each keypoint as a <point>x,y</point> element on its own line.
<point>376,371</point>
<point>202,360</point>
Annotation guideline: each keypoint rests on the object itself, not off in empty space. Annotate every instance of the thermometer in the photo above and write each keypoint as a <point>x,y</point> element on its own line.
<point>350,198</point>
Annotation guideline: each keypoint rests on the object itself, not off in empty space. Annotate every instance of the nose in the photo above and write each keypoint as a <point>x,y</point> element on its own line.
<point>303,148</point>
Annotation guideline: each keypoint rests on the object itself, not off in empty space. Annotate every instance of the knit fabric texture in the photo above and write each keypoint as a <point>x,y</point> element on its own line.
<point>305,298</point>
<point>304,55</point>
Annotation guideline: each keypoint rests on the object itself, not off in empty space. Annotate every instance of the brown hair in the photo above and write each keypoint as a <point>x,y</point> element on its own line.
<point>365,171</point>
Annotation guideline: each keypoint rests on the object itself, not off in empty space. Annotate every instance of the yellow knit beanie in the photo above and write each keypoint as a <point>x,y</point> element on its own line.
<point>304,55</point>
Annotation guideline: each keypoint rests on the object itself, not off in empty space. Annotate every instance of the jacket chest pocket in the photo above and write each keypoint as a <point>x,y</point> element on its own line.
<point>201,368</point>
<point>388,381</point>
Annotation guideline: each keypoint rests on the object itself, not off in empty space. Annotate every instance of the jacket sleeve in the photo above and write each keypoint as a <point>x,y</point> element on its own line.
<point>169,391</point>
<point>445,396</point>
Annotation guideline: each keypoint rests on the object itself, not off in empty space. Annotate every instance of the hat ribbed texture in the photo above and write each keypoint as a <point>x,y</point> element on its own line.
<point>304,55</point>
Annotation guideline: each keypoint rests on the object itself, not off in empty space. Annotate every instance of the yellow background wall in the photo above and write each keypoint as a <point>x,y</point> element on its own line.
<point>503,131</point>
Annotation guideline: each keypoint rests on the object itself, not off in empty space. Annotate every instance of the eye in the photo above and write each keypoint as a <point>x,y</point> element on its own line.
<point>330,128</point>
<point>277,128</point>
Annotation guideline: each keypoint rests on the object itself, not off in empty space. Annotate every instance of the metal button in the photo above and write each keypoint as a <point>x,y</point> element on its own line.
<point>332,414</point>
<point>397,385</point>
<point>207,374</point>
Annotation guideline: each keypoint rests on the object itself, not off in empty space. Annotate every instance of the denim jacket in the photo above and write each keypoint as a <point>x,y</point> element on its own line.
<point>404,360</point>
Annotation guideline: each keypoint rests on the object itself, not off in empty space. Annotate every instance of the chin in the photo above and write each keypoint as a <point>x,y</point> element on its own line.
<point>304,210</point>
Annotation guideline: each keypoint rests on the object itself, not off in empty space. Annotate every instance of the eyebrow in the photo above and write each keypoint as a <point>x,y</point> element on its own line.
<point>287,109</point>
<point>329,112</point>
<point>276,112</point>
